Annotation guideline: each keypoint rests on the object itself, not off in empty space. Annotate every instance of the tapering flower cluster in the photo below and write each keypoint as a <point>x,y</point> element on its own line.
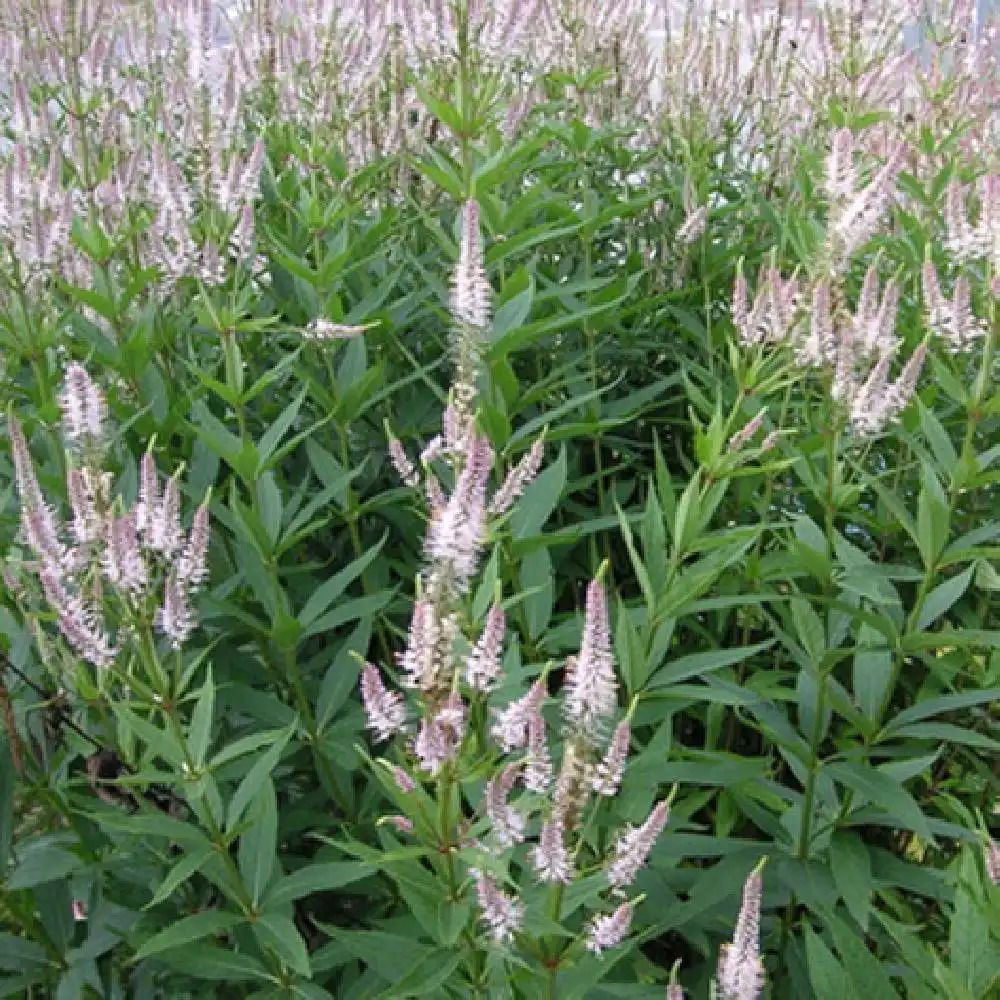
<point>384,708</point>
<point>993,861</point>
<point>507,822</point>
<point>457,528</point>
<point>966,242</point>
<point>740,975</point>
<point>775,311</point>
<point>471,292</point>
<point>36,214</point>
<point>482,668</point>
<point>693,226</point>
<point>608,773</point>
<point>591,689</point>
<point>951,319</point>
<point>634,845</point>
<point>138,551</point>
<point>82,406</point>
<point>742,437</point>
<point>878,401</point>
<point>521,802</point>
<point>501,912</point>
<point>858,348</point>
<point>609,930</point>
<point>855,213</point>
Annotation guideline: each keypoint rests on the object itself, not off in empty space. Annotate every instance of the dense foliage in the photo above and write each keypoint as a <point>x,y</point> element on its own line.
<point>492,508</point>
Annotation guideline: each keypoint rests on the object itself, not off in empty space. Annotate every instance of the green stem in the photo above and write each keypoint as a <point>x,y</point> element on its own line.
<point>808,797</point>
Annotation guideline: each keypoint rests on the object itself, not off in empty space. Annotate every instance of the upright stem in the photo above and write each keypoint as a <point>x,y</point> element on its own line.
<point>809,795</point>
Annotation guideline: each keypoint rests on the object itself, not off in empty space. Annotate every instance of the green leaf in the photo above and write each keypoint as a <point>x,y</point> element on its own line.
<point>943,597</point>
<point>540,499</point>
<point>328,591</point>
<point>515,309</point>
<point>361,607</point>
<point>188,929</point>
<point>315,878</point>
<point>931,707</point>
<point>180,873</point>
<point>259,843</point>
<point>17,953</point>
<point>536,579</point>
<point>280,427</point>
<point>884,793</point>
<point>698,664</point>
<point>390,956</point>
<point>638,566</point>
<point>430,973</point>
<point>852,874</point>
<point>161,742</point>
<point>278,932</point>
<point>215,434</point>
<point>973,954</point>
<point>256,777</point>
<point>872,672</point>
<point>152,824</point>
<point>867,973</point>
<point>269,505</point>
<point>809,629</point>
<point>341,677</point>
<point>42,861</point>
<point>242,746</point>
<point>944,732</point>
<point>828,978</point>
<point>933,515</point>
<point>205,961</point>
<point>200,730</point>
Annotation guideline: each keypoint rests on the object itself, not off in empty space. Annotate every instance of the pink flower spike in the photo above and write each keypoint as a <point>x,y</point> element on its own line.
<point>482,669</point>
<point>457,532</point>
<point>174,617</point>
<point>538,771</point>
<point>419,662</point>
<point>401,823</point>
<point>608,775</point>
<point>384,708</point>
<point>403,781</point>
<point>471,292</point>
<point>550,857</point>
<point>634,846</point>
<point>508,823</point>
<point>591,688</point>
<point>739,306</point>
<point>518,479</point>
<point>739,440</point>
<point>841,178</point>
<point>432,746</point>
<point>610,929</point>
<point>501,912</point>
<point>192,566</point>
<point>165,533</point>
<point>149,497</point>
<point>403,466</point>
<point>993,861</point>
<point>510,729</point>
<point>740,974</point>
<point>83,407</point>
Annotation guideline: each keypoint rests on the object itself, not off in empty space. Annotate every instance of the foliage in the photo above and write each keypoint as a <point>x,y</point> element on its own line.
<point>801,600</point>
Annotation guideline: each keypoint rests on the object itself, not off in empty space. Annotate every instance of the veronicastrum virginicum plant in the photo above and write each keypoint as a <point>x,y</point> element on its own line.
<point>748,678</point>
<point>505,796</point>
